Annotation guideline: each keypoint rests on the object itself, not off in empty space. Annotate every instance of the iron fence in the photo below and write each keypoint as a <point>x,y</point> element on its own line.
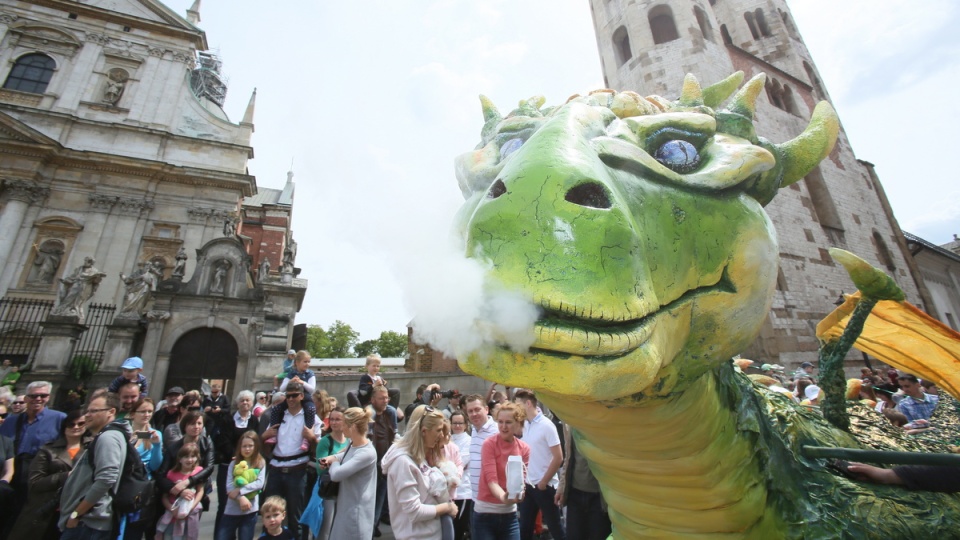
<point>20,330</point>
<point>93,339</point>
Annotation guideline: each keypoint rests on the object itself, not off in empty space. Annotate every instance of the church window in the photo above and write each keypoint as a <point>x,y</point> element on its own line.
<point>823,206</point>
<point>621,45</point>
<point>662,25</point>
<point>883,252</point>
<point>31,73</point>
<point>725,34</point>
<point>815,81</point>
<point>704,23</point>
<point>774,90</point>
<point>789,104</point>
<point>762,25</point>
<point>752,24</point>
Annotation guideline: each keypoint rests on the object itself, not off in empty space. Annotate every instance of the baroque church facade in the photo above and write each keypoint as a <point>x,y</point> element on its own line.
<point>129,223</point>
<point>649,45</point>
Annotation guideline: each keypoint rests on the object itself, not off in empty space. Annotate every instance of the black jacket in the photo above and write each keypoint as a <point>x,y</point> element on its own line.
<point>207,461</point>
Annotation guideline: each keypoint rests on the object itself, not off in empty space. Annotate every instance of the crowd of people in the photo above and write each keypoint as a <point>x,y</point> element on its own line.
<point>497,466</point>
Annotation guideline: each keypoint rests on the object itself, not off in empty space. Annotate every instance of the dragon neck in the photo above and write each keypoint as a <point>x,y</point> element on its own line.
<point>674,467</point>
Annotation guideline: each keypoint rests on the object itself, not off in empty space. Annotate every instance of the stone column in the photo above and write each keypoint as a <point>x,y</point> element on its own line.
<point>19,195</point>
<point>120,337</point>
<point>60,334</point>
<point>156,320</point>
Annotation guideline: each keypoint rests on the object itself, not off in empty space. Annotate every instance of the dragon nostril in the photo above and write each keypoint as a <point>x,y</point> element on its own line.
<point>497,189</point>
<point>590,194</point>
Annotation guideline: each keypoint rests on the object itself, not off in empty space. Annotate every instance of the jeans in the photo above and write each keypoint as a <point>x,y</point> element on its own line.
<point>381,495</point>
<point>82,532</point>
<point>289,485</point>
<point>534,500</point>
<point>495,527</point>
<point>221,497</point>
<point>461,524</point>
<point>585,516</point>
<point>240,527</point>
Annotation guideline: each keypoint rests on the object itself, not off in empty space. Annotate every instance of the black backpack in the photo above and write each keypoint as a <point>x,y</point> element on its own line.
<point>135,490</point>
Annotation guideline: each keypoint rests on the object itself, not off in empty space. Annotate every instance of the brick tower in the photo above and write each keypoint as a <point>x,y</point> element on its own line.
<point>648,45</point>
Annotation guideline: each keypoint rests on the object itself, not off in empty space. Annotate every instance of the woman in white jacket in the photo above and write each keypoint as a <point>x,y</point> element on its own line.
<point>413,485</point>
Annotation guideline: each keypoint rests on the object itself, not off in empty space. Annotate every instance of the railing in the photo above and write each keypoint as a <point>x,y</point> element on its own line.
<point>92,341</point>
<point>20,330</point>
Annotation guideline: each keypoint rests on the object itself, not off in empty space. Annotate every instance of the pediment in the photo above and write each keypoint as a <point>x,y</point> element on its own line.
<point>149,10</point>
<point>12,129</point>
<point>44,32</point>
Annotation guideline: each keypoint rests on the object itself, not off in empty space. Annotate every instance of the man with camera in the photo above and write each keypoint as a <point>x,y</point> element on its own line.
<point>427,394</point>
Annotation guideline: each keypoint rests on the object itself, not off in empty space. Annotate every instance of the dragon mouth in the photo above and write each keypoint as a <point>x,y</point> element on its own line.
<point>562,332</point>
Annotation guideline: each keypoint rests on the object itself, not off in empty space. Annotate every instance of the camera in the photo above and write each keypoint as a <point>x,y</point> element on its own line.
<point>447,394</point>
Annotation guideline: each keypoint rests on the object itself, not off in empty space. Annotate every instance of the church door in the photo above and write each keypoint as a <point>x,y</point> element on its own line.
<point>204,353</point>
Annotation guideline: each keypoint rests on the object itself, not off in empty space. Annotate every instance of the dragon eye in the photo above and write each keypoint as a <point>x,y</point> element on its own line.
<point>678,155</point>
<point>510,147</point>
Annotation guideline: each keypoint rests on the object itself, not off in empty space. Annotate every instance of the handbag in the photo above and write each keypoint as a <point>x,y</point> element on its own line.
<point>312,515</point>
<point>327,487</point>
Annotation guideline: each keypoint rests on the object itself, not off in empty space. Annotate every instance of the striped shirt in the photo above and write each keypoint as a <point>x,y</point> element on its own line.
<point>476,445</point>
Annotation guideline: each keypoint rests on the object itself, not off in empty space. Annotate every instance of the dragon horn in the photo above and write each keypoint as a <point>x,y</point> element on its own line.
<point>490,111</point>
<point>744,102</point>
<point>802,154</point>
<point>691,95</point>
<point>716,93</point>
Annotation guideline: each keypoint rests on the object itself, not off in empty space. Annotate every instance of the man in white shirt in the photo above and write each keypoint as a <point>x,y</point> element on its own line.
<point>286,472</point>
<point>545,458</point>
<point>483,427</point>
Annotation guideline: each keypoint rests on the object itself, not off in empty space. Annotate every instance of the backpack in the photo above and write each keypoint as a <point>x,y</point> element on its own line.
<point>135,490</point>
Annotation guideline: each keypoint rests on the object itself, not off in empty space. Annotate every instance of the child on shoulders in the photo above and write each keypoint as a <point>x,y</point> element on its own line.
<point>131,368</point>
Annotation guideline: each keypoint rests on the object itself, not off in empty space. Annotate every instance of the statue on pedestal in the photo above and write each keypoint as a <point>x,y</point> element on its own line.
<point>181,266</point>
<point>46,262</point>
<point>219,276</point>
<point>139,285</point>
<point>77,288</point>
<point>264,271</point>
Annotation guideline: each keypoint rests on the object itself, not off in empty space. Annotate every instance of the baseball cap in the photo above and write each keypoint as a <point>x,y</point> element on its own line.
<point>806,365</point>
<point>134,362</point>
<point>812,391</point>
<point>291,351</point>
<point>175,390</point>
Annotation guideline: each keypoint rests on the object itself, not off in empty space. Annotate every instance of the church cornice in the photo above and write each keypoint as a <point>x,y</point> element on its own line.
<point>173,26</point>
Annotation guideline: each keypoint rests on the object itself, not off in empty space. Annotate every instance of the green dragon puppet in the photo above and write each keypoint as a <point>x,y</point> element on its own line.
<point>636,225</point>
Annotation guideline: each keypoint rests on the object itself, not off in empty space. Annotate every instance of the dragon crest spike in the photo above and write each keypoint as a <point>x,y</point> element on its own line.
<point>718,92</point>
<point>691,95</point>
<point>490,111</point>
<point>744,102</point>
<point>801,154</point>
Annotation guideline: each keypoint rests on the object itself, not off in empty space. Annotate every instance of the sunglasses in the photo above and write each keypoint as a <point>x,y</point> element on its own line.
<point>38,396</point>
<point>193,409</point>
<point>77,425</point>
<point>293,395</point>
<point>19,402</point>
<point>93,411</point>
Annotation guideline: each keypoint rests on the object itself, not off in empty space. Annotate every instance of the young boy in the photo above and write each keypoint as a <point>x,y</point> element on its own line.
<point>370,379</point>
<point>131,369</point>
<point>274,511</point>
<point>301,373</point>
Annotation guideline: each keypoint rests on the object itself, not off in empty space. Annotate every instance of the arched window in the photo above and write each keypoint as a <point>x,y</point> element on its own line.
<point>883,252</point>
<point>761,23</point>
<point>752,24</point>
<point>725,34</point>
<point>815,81</point>
<point>774,91</point>
<point>789,104</point>
<point>823,207</point>
<point>621,46</point>
<point>31,73</point>
<point>662,26</point>
<point>703,22</point>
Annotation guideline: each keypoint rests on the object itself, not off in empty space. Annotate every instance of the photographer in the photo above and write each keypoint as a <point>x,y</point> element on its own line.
<point>427,394</point>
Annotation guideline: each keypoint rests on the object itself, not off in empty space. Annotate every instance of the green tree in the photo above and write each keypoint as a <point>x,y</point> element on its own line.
<point>366,348</point>
<point>392,344</point>
<point>317,342</point>
<point>341,339</point>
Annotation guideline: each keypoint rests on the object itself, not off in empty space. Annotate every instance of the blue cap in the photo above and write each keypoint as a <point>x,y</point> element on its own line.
<point>134,362</point>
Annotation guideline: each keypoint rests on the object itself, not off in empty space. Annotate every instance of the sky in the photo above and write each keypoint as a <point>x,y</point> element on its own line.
<point>371,102</point>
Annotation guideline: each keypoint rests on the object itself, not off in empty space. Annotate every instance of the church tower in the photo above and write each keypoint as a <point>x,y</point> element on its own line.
<point>115,149</point>
<point>649,45</point>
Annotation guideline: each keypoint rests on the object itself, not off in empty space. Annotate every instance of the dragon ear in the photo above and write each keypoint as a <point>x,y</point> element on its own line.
<point>802,154</point>
<point>691,95</point>
<point>717,93</point>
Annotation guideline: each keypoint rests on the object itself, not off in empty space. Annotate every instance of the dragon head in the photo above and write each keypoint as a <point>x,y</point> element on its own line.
<point>636,225</point>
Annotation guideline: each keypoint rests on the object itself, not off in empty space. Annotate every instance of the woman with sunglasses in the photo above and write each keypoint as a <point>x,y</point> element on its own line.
<point>48,473</point>
<point>191,425</point>
<point>188,403</point>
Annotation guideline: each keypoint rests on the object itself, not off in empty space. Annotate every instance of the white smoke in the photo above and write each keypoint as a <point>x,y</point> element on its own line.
<point>458,308</point>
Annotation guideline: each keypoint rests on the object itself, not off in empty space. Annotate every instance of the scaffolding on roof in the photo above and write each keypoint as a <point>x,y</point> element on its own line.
<point>206,80</point>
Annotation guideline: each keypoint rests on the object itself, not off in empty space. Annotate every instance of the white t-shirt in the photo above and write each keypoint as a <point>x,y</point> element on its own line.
<point>540,435</point>
<point>290,437</point>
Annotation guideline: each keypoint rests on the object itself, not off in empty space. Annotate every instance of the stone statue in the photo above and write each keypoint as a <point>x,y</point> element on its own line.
<point>46,263</point>
<point>77,288</point>
<point>114,90</point>
<point>219,276</point>
<point>139,285</point>
<point>229,227</point>
<point>289,256</point>
<point>181,266</point>
<point>264,271</point>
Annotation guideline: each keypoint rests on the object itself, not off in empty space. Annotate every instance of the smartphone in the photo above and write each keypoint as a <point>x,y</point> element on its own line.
<point>143,434</point>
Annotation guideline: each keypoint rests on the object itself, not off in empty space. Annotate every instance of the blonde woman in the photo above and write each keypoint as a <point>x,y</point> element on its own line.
<point>412,480</point>
<point>356,470</point>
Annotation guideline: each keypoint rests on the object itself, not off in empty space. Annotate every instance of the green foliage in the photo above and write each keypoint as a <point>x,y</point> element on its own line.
<point>366,348</point>
<point>390,344</point>
<point>82,367</point>
<point>334,342</point>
